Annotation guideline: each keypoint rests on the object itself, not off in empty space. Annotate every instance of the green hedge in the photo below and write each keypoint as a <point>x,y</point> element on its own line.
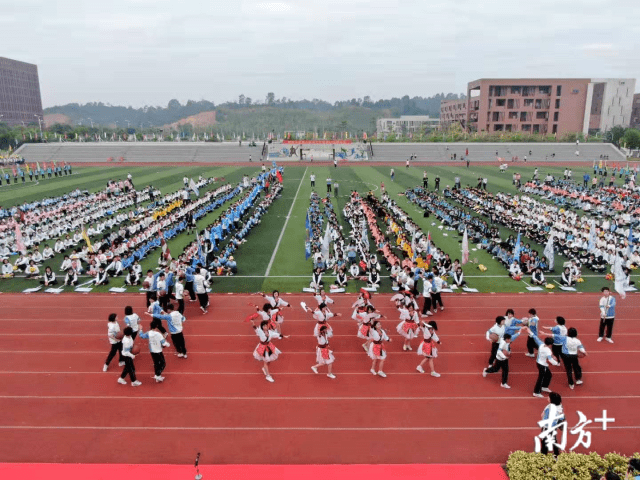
<point>569,466</point>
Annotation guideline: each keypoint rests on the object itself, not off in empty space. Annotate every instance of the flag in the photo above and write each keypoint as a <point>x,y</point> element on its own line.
<point>465,247</point>
<point>325,243</point>
<point>591,246</point>
<point>517,248</point>
<point>307,250</point>
<point>620,276</point>
<point>13,168</point>
<point>194,187</point>
<point>166,253</point>
<point>86,239</point>
<point>548,251</point>
<point>414,249</point>
<point>28,169</point>
<point>630,241</point>
<point>428,243</point>
<point>19,243</point>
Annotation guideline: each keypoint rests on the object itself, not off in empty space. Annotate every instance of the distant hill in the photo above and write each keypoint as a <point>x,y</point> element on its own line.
<point>247,115</point>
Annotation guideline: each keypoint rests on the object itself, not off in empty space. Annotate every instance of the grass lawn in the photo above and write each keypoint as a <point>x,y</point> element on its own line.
<point>273,256</point>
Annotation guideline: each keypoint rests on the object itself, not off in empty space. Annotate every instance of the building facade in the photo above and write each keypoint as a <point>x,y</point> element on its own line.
<point>635,111</point>
<point>20,101</point>
<point>452,112</point>
<point>406,125</point>
<point>549,106</point>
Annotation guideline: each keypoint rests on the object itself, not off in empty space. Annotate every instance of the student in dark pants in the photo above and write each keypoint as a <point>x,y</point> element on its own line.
<point>554,414</point>
<point>502,360</point>
<point>128,356</point>
<point>545,356</point>
<point>113,331</point>
<point>156,343</point>
<point>497,329</point>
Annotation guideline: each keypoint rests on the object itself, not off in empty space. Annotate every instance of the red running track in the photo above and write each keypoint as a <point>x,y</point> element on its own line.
<point>59,407</point>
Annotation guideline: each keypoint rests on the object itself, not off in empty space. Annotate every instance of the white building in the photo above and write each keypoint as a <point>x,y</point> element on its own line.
<point>609,103</point>
<point>406,124</point>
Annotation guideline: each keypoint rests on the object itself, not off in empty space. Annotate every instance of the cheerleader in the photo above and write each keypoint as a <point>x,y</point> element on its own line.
<point>323,298</point>
<point>360,305</point>
<point>427,347</point>
<point>321,315</point>
<point>376,349</point>
<point>324,356</point>
<point>265,314</point>
<point>364,325</point>
<point>409,324</point>
<point>266,352</point>
<point>277,304</point>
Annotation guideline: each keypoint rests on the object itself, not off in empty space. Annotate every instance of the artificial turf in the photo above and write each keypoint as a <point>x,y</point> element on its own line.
<point>289,271</point>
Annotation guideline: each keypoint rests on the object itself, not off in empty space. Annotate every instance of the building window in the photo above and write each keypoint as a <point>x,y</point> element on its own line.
<point>523,116</point>
<point>515,90</point>
<point>555,116</point>
<point>545,90</point>
<point>498,127</point>
<point>557,103</point>
<point>510,103</point>
<point>513,115</point>
<point>541,115</point>
<point>536,128</point>
<point>500,102</point>
<point>558,90</point>
<point>526,128</point>
<point>496,117</point>
<point>528,102</point>
<point>538,103</point>
<point>554,130</point>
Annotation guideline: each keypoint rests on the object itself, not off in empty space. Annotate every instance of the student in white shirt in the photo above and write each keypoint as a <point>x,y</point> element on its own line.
<point>7,269</point>
<point>113,330</point>
<point>49,278</point>
<point>47,253</point>
<point>156,343</point>
<point>545,356</point>
<point>128,356</point>
<point>132,320</point>
<point>502,360</point>
<point>174,321</point>
<point>497,329</point>
<point>200,286</point>
<point>132,278</point>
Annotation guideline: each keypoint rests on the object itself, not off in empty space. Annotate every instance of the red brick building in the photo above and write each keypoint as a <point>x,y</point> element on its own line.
<point>548,106</point>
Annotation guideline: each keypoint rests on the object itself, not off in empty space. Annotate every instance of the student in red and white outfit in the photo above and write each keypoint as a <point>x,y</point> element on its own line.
<point>266,352</point>
<point>360,305</point>
<point>324,356</point>
<point>277,304</point>
<point>364,325</point>
<point>377,351</point>
<point>321,315</point>
<point>428,347</point>
<point>409,324</point>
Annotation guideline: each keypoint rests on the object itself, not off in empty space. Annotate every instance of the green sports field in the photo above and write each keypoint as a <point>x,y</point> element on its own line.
<point>273,256</point>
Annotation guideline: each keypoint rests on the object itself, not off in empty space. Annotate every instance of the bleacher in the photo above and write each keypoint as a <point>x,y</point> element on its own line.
<point>186,152</point>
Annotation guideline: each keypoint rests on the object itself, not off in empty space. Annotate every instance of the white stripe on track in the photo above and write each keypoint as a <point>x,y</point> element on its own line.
<point>275,250</point>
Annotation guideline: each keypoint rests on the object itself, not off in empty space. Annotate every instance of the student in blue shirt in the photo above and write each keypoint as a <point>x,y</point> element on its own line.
<point>533,326</point>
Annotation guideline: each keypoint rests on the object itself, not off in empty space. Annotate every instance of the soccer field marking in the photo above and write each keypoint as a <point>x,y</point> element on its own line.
<point>286,222</point>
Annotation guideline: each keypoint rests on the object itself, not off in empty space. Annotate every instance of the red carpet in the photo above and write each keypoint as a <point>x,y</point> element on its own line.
<point>249,472</point>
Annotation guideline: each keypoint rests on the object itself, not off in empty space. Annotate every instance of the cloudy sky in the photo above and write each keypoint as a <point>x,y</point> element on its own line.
<point>146,52</point>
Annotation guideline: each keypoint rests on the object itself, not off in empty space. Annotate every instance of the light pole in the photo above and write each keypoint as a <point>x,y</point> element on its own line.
<point>91,122</point>
<point>39,123</point>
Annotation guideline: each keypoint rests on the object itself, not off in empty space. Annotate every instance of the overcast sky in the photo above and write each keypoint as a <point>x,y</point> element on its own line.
<point>146,52</point>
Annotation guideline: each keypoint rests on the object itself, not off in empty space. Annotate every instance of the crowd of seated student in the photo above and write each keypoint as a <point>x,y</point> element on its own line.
<point>572,234</point>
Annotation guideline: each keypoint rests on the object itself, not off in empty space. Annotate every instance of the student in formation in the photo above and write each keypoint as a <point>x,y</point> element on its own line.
<point>114,336</point>
<point>427,348</point>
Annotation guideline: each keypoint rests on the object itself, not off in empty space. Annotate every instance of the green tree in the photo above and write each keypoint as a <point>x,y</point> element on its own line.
<point>631,138</point>
<point>615,134</point>
<point>271,97</point>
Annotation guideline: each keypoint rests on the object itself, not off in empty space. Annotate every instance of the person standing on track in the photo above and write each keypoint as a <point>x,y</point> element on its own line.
<point>570,348</point>
<point>428,347</point>
<point>200,286</point>
<point>532,323</point>
<point>559,332</point>
<point>132,320</point>
<point>266,352</point>
<point>409,324</point>
<point>502,360</point>
<point>156,344</point>
<point>555,414</point>
<point>129,367</point>
<point>277,304</point>
<point>498,330</point>
<point>607,314</point>
<point>113,333</point>
<point>180,294</point>
<point>545,356</point>
<point>324,356</point>
<point>377,352</point>
<point>175,321</point>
